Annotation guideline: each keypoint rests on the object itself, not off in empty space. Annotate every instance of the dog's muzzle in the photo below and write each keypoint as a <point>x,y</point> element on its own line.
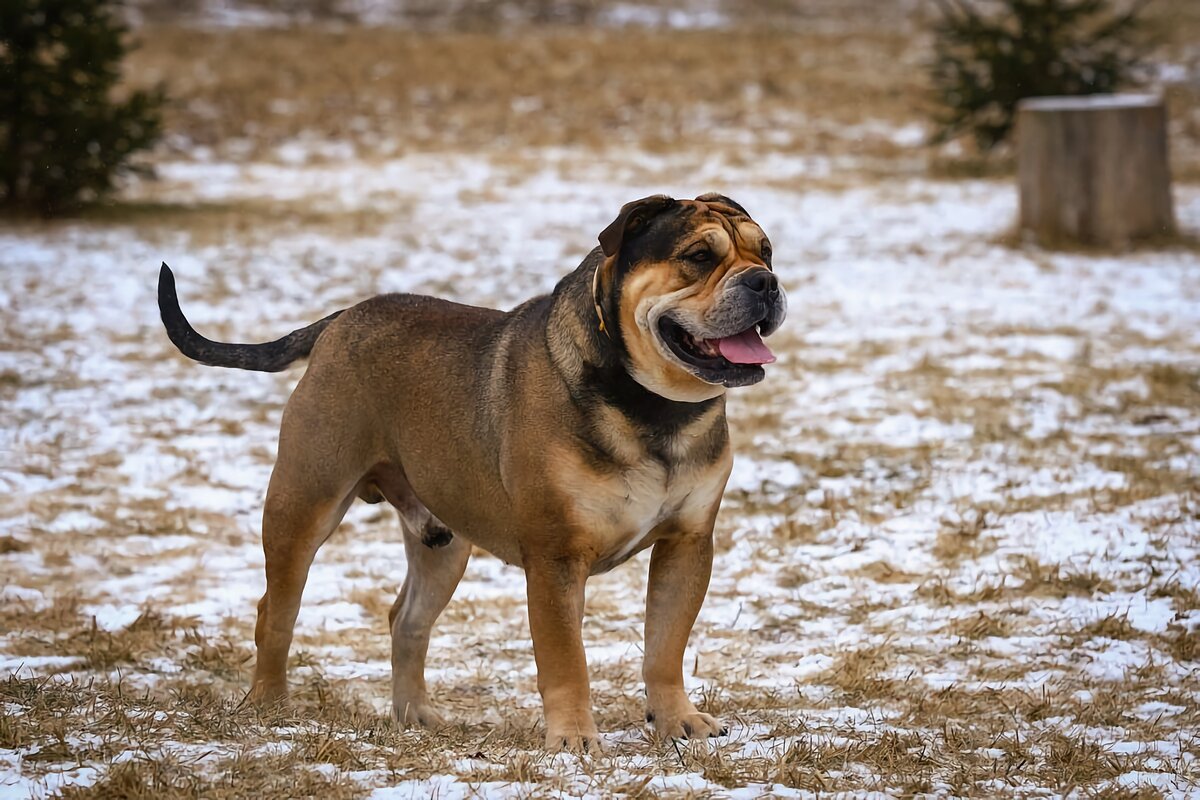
<point>759,293</point>
<point>725,346</point>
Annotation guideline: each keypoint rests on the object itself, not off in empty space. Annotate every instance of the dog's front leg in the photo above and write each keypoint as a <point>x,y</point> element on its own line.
<point>680,566</point>
<point>556,589</point>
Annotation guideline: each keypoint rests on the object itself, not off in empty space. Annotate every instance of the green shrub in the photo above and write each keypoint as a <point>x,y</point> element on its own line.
<point>989,55</point>
<point>64,136</point>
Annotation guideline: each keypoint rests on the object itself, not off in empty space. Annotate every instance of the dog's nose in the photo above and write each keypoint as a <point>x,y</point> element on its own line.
<point>761,281</point>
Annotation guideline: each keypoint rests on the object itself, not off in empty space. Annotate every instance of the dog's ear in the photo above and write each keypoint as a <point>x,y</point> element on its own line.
<point>720,199</point>
<point>632,218</point>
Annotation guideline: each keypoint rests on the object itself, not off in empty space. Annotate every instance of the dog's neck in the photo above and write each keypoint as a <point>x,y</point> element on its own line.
<point>593,365</point>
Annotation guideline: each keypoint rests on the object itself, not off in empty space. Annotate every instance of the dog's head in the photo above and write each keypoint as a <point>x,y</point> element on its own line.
<point>686,288</point>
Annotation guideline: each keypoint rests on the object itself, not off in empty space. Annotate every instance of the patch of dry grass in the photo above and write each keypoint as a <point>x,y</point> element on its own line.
<point>227,660</point>
<point>1186,598</point>
<point>391,88</point>
<point>960,754</point>
<point>857,674</point>
<point>1184,644</point>
<point>146,636</point>
<point>1069,763</point>
<point>883,572</point>
<point>1026,577</point>
<point>245,775</point>
<point>980,625</point>
<point>1114,626</point>
<point>13,731</point>
<point>880,718</point>
<point>11,544</point>
<point>62,629</point>
<point>949,736</point>
<point>799,77</point>
<point>1052,580</point>
<point>376,603</point>
<point>211,223</point>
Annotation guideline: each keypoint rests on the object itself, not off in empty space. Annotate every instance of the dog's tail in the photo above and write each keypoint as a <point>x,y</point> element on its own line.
<point>266,357</point>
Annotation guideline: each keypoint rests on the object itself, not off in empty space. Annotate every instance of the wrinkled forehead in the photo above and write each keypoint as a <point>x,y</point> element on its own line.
<point>723,226</point>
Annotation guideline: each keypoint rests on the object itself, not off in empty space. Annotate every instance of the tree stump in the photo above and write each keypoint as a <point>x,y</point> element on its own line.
<point>1093,170</point>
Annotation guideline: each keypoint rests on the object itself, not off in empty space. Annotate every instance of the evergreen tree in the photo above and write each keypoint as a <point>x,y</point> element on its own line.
<point>64,137</point>
<point>987,60</point>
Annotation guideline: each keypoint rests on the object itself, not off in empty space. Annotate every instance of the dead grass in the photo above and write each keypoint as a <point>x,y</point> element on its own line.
<point>222,659</point>
<point>390,89</point>
<point>62,629</point>
<point>962,542</point>
<point>1070,763</point>
<point>1025,578</point>
<point>61,615</point>
<point>796,531</point>
<point>806,764</point>
<point>798,78</point>
<point>13,732</point>
<point>1166,386</point>
<point>1187,598</point>
<point>1052,580</point>
<point>957,753</point>
<point>1184,644</point>
<point>245,775</point>
<point>1114,626</point>
<point>375,602</point>
<point>980,625</point>
<point>10,544</point>
<point>210,223</point>
<point>857,674</point>
<point>875,720</point>
<point>883,572</point>
<point>943,740</point>
<point>146,636</point>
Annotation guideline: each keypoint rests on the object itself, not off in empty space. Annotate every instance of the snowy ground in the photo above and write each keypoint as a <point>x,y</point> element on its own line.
<point>959,553</point>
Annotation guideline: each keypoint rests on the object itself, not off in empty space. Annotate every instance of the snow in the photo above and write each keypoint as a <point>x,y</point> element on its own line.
<point>1095,102</point>
<point>136,478</point>
<point>14,787</point>
<point>699,14</point>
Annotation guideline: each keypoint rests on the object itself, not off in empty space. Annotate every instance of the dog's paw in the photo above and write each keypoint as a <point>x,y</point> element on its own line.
<point>267,696</point>
<point>417,715</point>
<point>578,743</point>
<point>691,724</point>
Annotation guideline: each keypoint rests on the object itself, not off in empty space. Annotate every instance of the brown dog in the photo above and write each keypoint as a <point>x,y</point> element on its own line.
<point>563,436</point>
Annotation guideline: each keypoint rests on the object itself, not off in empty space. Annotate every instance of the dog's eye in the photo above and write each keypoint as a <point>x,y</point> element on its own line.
<point>699,255</point>
<point>766,251</point>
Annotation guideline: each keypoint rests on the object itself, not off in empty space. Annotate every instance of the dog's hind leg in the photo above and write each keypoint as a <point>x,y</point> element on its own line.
<point>303,507</point>
<point>436,562</point>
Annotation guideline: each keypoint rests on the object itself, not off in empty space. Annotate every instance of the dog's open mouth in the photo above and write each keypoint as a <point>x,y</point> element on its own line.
<point>734,360</point>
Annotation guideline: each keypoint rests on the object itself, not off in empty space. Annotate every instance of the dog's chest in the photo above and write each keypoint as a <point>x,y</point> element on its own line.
<point>621,503</point>
<point>623,509</point>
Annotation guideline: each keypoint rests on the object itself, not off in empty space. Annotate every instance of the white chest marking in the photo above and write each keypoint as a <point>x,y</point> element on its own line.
<point>648,501</point>
<point>616,510</point>
<point>623,509</point>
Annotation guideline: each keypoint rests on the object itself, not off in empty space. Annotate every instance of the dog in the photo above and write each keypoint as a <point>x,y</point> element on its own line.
<point>563,436</point>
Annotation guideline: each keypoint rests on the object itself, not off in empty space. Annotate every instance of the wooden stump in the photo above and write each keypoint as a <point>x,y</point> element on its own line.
<point>1093,170</point>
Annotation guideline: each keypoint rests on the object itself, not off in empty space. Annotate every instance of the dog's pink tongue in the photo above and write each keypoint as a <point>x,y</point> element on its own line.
<point>745,348</point>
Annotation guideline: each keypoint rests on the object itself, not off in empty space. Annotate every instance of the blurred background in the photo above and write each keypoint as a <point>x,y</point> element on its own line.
<point>846,81</point>
<point>958,553</point>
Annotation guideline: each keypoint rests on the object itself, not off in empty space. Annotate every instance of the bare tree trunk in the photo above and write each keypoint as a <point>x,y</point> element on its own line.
<point>1093,170</point>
